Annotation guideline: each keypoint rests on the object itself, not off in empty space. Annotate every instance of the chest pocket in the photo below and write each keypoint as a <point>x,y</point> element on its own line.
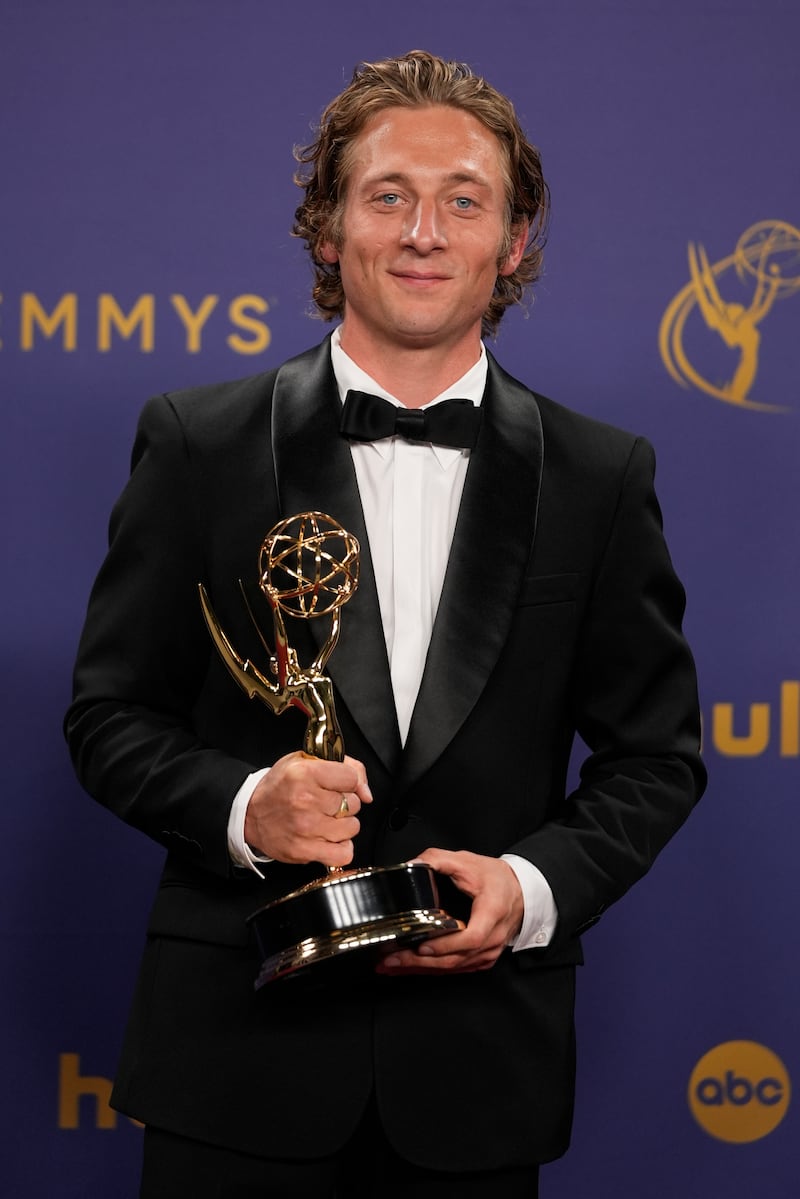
<point>547,612</point>
<point>549,589</point>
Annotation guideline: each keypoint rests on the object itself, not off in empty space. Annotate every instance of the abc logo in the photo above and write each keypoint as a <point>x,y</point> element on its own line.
<point>739,1091</point>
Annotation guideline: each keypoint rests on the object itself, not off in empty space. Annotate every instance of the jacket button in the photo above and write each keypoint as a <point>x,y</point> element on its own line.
<point>398,819</point>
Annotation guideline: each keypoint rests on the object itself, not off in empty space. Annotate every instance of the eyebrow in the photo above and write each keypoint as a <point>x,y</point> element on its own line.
<point>404,177</point>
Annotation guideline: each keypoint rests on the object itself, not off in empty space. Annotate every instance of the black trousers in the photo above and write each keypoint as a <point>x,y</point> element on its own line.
<point>366,1168</point>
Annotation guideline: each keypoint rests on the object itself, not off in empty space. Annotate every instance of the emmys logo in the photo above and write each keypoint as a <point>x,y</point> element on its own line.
<point>730,299</point>
<point>739,1092</point>
<point>106,322</point>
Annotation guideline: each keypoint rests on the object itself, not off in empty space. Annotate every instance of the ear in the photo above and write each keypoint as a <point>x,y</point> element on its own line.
<point>518,243</point>
<point>328,253</point>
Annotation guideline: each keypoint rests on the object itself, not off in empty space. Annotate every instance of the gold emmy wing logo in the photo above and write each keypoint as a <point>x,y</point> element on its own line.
<point>766,262</point>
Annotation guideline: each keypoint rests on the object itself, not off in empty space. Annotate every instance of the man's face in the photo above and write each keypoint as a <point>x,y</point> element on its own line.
<point>421,231</point>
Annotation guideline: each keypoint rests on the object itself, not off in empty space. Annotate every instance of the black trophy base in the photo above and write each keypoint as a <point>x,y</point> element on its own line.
<point>351,910</point>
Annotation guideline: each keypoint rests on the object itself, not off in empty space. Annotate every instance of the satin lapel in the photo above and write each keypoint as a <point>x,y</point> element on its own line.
<point>491,547</point>
<point>314,472</point>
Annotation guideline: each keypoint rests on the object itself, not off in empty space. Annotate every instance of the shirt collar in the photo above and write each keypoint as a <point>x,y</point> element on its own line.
<point>350,376</point>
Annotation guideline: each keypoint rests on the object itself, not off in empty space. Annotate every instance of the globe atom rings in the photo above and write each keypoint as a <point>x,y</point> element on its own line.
<point>770,251</point>
<point>308,564</point>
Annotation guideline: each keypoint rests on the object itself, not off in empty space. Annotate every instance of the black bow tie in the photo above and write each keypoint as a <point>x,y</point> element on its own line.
<point>369,418</point>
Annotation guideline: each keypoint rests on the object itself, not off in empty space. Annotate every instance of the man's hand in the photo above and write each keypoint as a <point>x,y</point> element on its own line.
<point>296,812</point>
<point>496,918</point>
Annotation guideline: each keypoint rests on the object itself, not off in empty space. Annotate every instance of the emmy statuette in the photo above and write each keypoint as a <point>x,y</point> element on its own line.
<point>308,568</point>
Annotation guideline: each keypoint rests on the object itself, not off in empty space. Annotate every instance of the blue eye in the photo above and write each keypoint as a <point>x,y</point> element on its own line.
<point>390,198</point>
<point>464,202</point>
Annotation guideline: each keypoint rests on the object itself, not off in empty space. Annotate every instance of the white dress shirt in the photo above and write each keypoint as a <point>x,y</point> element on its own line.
<point>410,496</point>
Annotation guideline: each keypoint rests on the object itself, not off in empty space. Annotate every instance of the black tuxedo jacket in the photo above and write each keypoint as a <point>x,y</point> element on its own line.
<point>560,613</point>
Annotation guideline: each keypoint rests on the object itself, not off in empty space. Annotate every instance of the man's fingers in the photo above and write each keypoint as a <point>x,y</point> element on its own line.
<point>361,787</point>
<point>347,804</point>
<point>494,920</point>
<point>338,829</point>
<point>408,961</point>
<point>349,776</point>
<point>306,810</point>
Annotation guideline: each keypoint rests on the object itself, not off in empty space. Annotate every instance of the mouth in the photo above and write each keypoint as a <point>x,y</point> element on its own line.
<point>419,278</point>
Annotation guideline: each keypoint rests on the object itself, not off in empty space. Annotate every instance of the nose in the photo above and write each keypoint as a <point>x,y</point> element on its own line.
<point>423,230</point>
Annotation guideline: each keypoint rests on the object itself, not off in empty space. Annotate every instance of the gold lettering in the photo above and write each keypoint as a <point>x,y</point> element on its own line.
<point>72,1085</point>
<point>33,315</point>
<point>193,321</point>
<point>110,314</point>
<point>754,742</point>
<point>790,720</point>
<point>237,312</point>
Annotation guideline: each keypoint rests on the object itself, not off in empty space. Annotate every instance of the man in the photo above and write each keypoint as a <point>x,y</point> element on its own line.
<point>512,593</point>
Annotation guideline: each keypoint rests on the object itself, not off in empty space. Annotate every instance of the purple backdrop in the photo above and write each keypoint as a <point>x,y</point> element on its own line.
<point>147,168</point>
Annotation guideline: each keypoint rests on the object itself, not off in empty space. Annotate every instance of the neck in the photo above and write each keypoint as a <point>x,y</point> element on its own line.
<point>413,374</point>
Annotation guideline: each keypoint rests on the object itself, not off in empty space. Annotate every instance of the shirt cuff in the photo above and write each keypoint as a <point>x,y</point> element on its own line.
<point>239,851</point>
<point>541,914</point>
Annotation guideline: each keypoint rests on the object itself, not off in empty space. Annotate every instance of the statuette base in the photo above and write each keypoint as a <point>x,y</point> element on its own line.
<point>356,910</point>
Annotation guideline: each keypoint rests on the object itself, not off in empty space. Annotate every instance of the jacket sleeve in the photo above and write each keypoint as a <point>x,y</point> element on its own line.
<point>143,657</point>
<point>634,698</point>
